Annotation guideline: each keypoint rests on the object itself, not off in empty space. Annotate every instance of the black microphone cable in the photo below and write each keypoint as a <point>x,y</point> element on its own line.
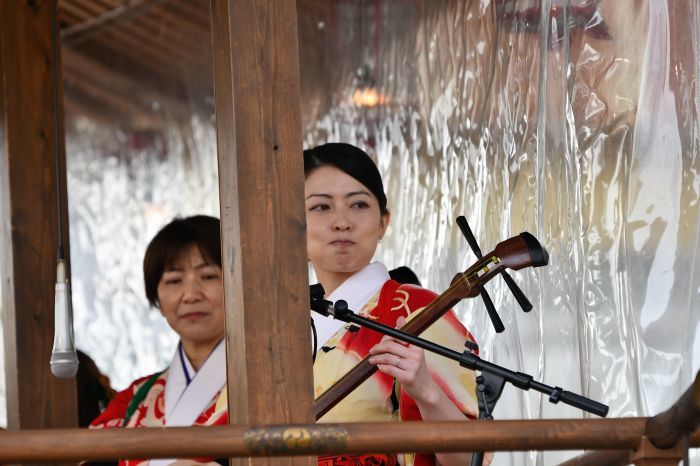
<point>315,293</point>
<point>315,341</point>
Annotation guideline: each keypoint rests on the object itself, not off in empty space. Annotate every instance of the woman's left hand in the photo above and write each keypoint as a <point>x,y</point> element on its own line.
<point>406,363</point>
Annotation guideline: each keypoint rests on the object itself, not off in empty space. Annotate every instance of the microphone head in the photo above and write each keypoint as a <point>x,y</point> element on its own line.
<point>316,291</point>
<point>64,364</point>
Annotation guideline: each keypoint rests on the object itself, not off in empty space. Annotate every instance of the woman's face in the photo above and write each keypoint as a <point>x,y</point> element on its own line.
<point>343,222</point>
<point>191,298</point>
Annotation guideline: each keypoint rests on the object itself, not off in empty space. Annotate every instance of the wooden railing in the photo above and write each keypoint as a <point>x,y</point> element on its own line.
<point>636,435</point>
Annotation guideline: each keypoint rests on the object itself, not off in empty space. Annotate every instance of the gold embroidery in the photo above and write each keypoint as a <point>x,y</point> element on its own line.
<point>401,297</point>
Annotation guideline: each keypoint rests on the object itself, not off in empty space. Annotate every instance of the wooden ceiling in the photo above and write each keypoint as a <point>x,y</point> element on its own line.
<point>133,60</point>
<point>140,62</point>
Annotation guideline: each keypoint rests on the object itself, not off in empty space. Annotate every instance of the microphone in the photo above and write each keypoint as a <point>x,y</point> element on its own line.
<point>318,304</point>
<point>64,359</point>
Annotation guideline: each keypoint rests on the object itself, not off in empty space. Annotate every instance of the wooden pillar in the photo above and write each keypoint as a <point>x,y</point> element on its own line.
<point>256,83</point>
<point>28,217</point>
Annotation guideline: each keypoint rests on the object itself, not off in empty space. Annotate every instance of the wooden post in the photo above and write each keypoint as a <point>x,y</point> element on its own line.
<point>647,454</point>
<point>28,217</point>
<point>256,83</point>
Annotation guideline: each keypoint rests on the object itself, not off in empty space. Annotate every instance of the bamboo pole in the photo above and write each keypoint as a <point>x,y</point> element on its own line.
<point>319,439</point>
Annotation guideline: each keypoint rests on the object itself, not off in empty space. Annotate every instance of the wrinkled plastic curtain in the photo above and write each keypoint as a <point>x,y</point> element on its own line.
<point>122,191</point>
<point>576,121</point>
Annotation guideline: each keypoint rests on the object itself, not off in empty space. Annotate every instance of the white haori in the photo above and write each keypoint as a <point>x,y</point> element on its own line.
<point>184,403</point>
<point>356,291</point>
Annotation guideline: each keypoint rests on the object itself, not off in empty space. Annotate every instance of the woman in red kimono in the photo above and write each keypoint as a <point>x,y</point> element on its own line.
<point>347,215</point>
<point>183,279</point>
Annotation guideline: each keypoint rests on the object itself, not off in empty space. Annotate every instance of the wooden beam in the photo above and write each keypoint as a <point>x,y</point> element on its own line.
<point>110,84</point>
<point>193,10</point>
<point>127,36</point>
<point>261,185</point>
<point>325,439</point>
<point>28,217</point>
<point>107,14</point>
<point>139,69</point>
<point>76,103</point>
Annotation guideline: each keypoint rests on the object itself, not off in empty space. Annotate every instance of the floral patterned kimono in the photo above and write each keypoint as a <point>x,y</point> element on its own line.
<point>374,295</point>
<point>178,396</point>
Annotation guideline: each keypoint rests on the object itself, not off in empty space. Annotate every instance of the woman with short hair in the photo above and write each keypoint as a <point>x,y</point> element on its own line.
<point>183,280</point>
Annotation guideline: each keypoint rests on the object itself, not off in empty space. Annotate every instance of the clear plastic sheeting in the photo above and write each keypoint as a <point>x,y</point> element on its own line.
<point>123,187</point>
<point>574,120</point>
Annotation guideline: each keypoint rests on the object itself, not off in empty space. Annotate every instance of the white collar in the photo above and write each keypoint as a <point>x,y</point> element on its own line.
<point>357,290</point>
<point>184,403</point>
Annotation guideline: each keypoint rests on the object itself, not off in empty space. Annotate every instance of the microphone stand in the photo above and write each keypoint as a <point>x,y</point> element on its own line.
<point>493,377</point>
<point>488,390</point>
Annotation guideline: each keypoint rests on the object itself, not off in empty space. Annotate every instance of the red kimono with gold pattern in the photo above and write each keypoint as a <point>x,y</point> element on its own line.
<point>372,401</point>
<point>150,412</point>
